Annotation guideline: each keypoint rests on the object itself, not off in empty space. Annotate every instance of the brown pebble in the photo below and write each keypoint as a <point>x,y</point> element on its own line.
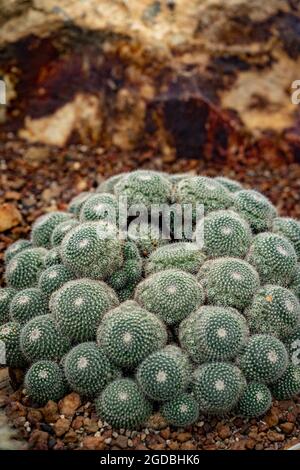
<point>38,440</point>
<point>183,436</point>
<point>10,216</point>
<point>50,412</point>
<point>287,428</point>
<point>165,433</point>
<point>189,445</point>
<point>272,417</point>
<point>77,422</point>
<point>61,426</point>
<point>34,416</point>
<point>71,436</point>
<point>93,443</point>
<point>121,441</point>
<point>275,436</point>
<point>224,431</point>
<point>69,404</point>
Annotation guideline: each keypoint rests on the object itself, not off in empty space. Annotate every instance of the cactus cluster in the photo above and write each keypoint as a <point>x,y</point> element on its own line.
<point>138,322</point>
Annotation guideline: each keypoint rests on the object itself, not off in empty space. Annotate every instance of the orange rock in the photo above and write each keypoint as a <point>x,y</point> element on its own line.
<point>9,216</point>
<point>69,404</point>
<point>93,443</point>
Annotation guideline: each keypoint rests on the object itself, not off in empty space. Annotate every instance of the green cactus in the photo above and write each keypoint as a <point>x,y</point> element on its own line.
<point>9,345</point>
<point>24,269</point>
<point>27,304</point>
<point>61,230</point>
<point>79,305</point>
<point>108,185</point>
<point>185,256</point>
<point>77,202</point>
<point>122,404</point>
<point>274,310</point>
<point>203,190</point>
<point>264,359</point>
<point>164,374</point>
<point>229,282</point>
<point>290,229</point>
<point>87,369</point>
<point>255,400</point>
<point>144,187</point>
<point>255,208</point>
<point>213,334</point>
<point>54,277</point>
<point>294,284</point>
<point>131,271</point>
<point>292,344</point>
<point>52,257</point>
<point>103,206</point>
<point>225,233</point>
<point>45,381</point>
<point>92,250</point>
<point>183,410</point>
<point>6,296</point>
<point>129,333</point>
<point>288,385</point>
<point>146,238</point>
<point>217,387</point>
<point>274,258</point>
<point>232,185</point>
<point>41,339</point>
<point>44,225</point>
<point>171,294</point>
<point>16,248</point>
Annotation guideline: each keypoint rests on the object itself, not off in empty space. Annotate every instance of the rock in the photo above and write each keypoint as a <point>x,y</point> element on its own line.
<point>61,426</point>
<point>121,442</point>
<point>10,216</point>
<point>189,445</point>
<point>34,416</point>
<point>71,436</point>
<point>157,422</point>
<point>183,436</point>
<point>77,423</point>
<point>275,436</point>
<point>287,428</point>
<point>38,440</point>
<point>36,154</point>
<point>93,443</point>
<point>250,443</point>
<point>272,417</point>
<point>173,445</point>
<point>165,433</point>
<point>223,431</point>
<point>157,446</point>
<point>69,404</point>
<point>50,412</point>
<point>90,425</point>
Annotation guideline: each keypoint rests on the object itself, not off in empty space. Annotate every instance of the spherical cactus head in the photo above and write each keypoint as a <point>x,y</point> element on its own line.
<point>171,294</point>
<point>183,410</point>
<point>43,227</point>
<point>41,339</point>
<point>24,269</point>
<point>92,250</point>
<point>274,258</point>
<point>122,404</point>
<point>217,387</point>
<point>185,256</point>
<point>102,206</point>
<point>230,184</point>
<point>203,190</point>
<point>213,334</point>
<point>274,310</point>
<point>255,400</point>
<point>290,229</point>
<point>54,277</point>
<point>79,305</point>
<point>264,359</point>
<point>61,230</point>
<point>144,187</point>
<point>52,257</point>
<point>28,303</point>
<point>229,282</point>
<point>77,202</point>
<point>255,208</point>
<point>294,284</point>
<point>225,233</point>
<point>129,333</point>
<point>164,374</point>
<point>10,352</point>
<point>147,237</point>
<point>87,369</point>
<point>288,385</point>
<point>292,344</point>
<point>16,248</point>
<point>45,381</point>
<point>108,186</point>
<point>6,296</point>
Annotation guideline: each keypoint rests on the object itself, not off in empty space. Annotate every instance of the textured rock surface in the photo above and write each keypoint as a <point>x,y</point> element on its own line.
<point>205,78</point>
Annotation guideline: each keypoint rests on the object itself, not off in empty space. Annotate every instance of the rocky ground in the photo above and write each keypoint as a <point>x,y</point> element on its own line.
<point>35,179</point>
